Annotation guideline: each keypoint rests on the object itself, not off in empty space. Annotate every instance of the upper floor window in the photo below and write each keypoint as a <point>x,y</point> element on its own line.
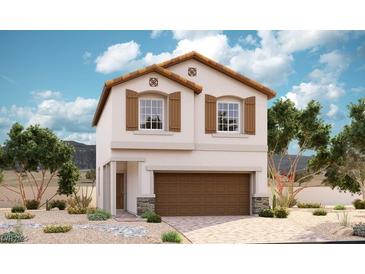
<point>151,113</point>
<point>228,116</point>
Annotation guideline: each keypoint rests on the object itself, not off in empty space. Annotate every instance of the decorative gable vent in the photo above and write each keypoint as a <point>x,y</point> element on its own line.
<point>192,71</point>
<point>153,82</point>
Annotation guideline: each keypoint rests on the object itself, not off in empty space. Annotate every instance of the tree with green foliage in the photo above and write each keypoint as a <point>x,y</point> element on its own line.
<point>288,125</point>
<point>1,165</point>
<point>347,154</point>
<point>38,151</point>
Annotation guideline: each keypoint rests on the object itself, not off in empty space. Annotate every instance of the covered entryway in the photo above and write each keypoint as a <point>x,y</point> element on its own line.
<point>202,194</point>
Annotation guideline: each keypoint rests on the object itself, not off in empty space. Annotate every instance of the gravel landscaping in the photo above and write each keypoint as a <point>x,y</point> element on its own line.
<point>84,231</point>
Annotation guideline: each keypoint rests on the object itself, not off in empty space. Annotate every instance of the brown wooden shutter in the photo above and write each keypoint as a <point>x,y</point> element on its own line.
<point>250,115</point>
<point>210,114</point>
<point>175,111</point>
<point>131,110</point>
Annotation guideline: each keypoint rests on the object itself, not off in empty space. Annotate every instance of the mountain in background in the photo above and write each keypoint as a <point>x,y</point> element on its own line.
<point>85,155</point>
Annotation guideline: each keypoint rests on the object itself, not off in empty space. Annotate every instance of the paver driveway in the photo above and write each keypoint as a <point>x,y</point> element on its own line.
<point>300,226</point>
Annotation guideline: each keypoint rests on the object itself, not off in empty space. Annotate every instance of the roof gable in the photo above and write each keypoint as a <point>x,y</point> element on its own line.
<point>153,68</point>
<point>221,68</point>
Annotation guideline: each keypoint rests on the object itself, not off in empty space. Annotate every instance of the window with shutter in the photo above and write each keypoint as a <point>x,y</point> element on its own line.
<point>131,110</point>
<point>250,115</point>
<point>210,114</point>
<point>175,111</point>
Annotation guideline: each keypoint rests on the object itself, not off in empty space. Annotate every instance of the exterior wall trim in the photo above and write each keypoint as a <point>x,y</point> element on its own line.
<point>224,147</point>
<point>152,145</point>
<point>147,132</point>
<point>229,135</point>
<point>204,168</point>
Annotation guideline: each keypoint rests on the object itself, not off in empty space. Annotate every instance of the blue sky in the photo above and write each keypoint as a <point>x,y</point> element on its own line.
<point>54,78</point>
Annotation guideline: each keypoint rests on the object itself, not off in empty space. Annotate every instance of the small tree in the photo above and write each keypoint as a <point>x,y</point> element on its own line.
<point>286,125</point>
<point>347,154</point>
<point>91,175</point>
<point>37,150</point>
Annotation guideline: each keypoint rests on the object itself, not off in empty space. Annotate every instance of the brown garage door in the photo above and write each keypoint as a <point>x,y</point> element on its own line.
<point>199,194</point>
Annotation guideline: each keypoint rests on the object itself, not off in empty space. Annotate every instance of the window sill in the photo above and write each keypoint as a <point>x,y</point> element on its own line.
<point>153,132</point>
<point>229,135</point>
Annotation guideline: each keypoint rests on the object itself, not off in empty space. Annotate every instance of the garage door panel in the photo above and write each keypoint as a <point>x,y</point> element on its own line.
<point>196,194</point>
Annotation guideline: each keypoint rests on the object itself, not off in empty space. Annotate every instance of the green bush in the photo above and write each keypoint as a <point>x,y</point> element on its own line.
<point>309,205</point>
<point>57,228</point>
<point>267,213</point>
<point>99,215</point>
<point>153,218</point>
<point>281,213</point>
<point>359,204</point>
<point>19,215</point>
<point>146,214</point>
<point>320,212</point>
<point>76,210</point>
<point>171,237</point>
<point>339,207</point>
<point>18,209</point>
<point>32,204</point>
<point>359,230</point>
<point>60,204</point>
<point>11,237</point>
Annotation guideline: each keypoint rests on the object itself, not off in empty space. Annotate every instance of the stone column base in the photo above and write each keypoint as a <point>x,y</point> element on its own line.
<point>144,204</point>
<point>259,203</point>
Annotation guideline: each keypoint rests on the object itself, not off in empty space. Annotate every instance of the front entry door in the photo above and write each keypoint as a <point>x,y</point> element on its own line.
<point>120,191</point>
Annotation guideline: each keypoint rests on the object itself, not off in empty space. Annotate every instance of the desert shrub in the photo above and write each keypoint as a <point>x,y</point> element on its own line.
<point>19,215</point>
<point>76,210</point>
<point>60,204</point>
<point>99,215</point>
<point>90,210</point>
<point>18,209</point>
<point>171,237</point>
<point>359,204</point>
<point>32,204</point>
<point>320,212</point>
<point>57,228</point>
<point>11,237</point>
<point>339,207</point>
<point>281,212</point>
<point>267,213</point>
<point>343,218</point>
<point>309,205</point>
<point>359,230</point>
<point>153,218</point>
<point>147,213</point>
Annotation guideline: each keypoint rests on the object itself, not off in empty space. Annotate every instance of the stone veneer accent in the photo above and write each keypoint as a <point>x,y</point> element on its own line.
<point>144,204</point>
<point>259,203</point>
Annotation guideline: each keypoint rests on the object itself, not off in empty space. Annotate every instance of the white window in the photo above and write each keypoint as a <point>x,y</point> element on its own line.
<point>151,114</point>
<point>228,117</point>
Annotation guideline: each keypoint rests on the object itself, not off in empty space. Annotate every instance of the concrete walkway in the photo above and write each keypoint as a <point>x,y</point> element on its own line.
<point>300,226</point>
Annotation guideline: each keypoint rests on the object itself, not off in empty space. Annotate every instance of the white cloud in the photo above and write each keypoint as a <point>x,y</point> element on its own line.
<point>156,33</point>
<point>70,120</point>
<point>86,57</point>
<point>335,113</point>
<point>117,57</point>
<point>71,116</point>
<point>324,84</point>
<point>248,40</point>
<point>194,34</point>
<point>298,40</point>
<point>45,94</point>
<point>268,59</point>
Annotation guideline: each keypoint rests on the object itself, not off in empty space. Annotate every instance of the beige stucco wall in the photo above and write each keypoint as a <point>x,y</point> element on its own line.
<point>190,149</point>
<point>326,196</point>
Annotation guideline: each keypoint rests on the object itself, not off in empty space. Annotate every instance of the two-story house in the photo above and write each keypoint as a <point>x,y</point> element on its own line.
<point>184,137</point>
